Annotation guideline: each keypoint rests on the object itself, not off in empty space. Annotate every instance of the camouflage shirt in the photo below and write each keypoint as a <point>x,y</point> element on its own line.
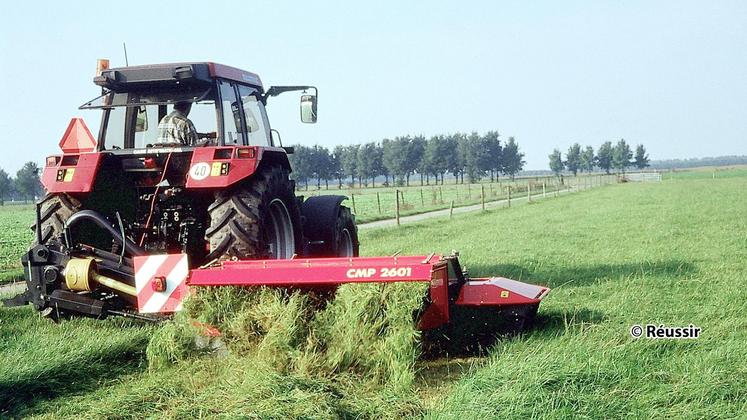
<point>177,128</point>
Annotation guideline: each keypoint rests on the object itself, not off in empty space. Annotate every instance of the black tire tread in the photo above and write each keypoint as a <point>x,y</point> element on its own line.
<point>345,219</point>
<point>54,212</point>
<point>236,215</point>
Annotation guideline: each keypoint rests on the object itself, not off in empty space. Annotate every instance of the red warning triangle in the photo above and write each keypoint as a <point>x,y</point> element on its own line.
<point>77,138</point>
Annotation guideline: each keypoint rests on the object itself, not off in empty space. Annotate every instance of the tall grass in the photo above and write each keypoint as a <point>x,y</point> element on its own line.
<point>363,344</point>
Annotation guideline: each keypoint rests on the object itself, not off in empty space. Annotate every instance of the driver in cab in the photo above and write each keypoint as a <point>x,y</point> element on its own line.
<point>176,128</point>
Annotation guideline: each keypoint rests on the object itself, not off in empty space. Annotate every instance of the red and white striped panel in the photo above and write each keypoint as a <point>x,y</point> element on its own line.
<point>172,267</point>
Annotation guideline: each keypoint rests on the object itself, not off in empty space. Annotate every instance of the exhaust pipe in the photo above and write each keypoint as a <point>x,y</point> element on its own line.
<point>81,275</point>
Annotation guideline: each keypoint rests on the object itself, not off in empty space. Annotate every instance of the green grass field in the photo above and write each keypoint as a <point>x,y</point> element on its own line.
<point>15,237</point>
<point>669,253</point>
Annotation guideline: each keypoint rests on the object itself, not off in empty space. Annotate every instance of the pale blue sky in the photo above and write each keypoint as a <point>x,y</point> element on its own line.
<point>669,74</point>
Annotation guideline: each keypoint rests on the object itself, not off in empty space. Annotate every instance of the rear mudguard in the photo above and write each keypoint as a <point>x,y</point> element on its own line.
<point>319,215</point>
<point>221,167</point>
<point>213,167</point>
<point>71,173</point>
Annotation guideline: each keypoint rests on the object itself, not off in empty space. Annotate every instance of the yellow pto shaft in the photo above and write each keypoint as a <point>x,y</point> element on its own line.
<point>81,275</point>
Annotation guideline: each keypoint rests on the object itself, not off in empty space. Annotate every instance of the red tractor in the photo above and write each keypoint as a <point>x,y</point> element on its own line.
<point>228,196</point>
<point>138,215</point>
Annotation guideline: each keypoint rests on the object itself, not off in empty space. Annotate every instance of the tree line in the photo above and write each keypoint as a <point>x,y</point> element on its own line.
<point>26,184</point>
<point>696,162</point>
<point>461,155</point>
<point>618,157</point>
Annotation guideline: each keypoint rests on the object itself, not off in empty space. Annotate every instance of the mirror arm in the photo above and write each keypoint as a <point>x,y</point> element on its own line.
<point>277,90</point>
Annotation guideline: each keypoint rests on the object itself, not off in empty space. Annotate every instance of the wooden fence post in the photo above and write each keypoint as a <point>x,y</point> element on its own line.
<point>529,191</point>
<point>509,195</point>
<point>396,206</point>
<point>352,197</point>
<point>378,201</point>
<point>451,209</point>
<point>482,195</point>
<point>544,190</point>
<point>422,200</point>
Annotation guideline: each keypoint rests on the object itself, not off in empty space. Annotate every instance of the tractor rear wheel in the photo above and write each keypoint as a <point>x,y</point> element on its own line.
<point>54,212</point>
<point>259,219</point>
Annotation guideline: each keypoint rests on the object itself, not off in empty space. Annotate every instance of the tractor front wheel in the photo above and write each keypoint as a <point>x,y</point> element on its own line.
<point>346,234</point>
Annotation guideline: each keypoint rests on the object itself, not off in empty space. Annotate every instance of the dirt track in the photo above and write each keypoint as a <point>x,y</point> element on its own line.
<point>457,210</point>
<point>12,288</point>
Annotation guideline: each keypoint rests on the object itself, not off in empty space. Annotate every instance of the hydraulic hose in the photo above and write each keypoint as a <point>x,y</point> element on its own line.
<point>129,246</point>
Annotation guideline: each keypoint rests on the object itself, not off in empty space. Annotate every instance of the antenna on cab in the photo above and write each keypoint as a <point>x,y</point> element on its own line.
<point>124,46</point>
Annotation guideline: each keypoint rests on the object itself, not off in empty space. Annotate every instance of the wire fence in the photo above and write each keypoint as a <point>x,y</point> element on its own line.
<point>370,204</point>
<point>642,177</point>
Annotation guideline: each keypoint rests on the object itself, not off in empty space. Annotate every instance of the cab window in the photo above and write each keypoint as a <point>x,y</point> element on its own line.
<point>257,129</point>
<point>133,119</point>
<point>231,115</point>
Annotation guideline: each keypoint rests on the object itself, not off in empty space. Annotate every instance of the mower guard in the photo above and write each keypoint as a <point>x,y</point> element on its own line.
<point>163,279</point>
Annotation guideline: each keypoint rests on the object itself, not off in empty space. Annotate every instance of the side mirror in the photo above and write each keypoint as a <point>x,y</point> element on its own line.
<point>308,109</point>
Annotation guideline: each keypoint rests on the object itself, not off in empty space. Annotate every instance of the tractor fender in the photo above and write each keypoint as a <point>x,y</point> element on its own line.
<point>222,166</point>
<point>319,217</point>
<point>71,173</point>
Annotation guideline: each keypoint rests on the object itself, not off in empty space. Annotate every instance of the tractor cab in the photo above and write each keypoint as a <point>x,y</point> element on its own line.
<point>142,173</point>
<point>229,132</point>
<point>227,105</point>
